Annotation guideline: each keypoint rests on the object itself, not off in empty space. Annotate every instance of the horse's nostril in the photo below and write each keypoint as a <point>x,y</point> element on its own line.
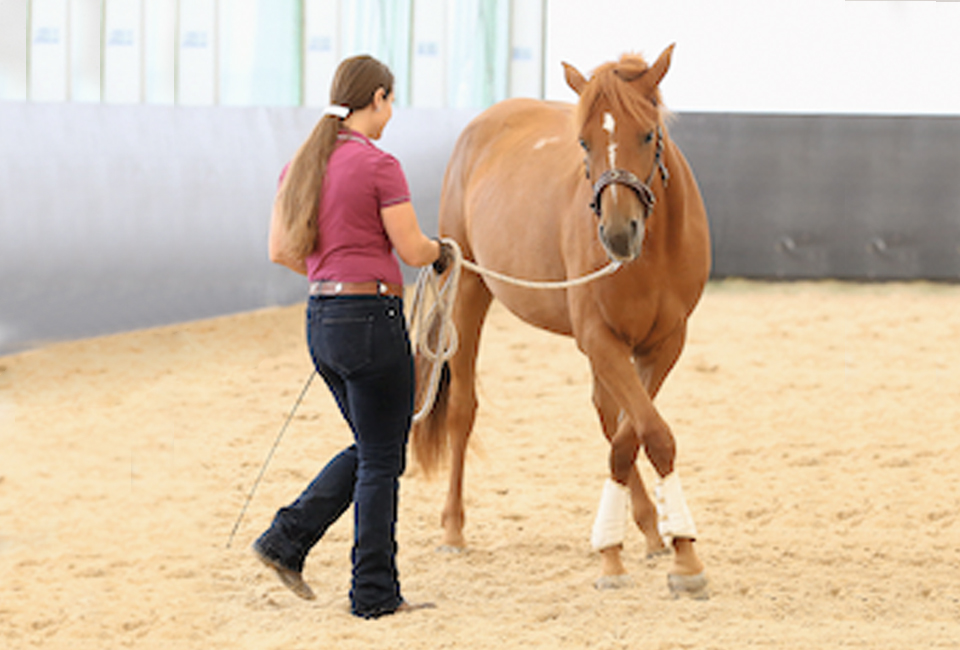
<point>634,227</point>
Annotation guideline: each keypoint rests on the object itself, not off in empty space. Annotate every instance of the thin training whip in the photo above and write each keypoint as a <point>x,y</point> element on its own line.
<point>263,468</point>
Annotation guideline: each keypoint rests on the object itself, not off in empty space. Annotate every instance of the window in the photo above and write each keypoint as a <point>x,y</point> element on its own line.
<point>443,53</point>
<point>260,47</point>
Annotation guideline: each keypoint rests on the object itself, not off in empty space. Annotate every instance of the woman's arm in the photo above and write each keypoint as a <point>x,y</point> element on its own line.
<point>413,247</point>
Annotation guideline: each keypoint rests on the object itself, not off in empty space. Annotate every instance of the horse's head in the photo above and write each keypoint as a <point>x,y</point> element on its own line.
<point>620,122</point>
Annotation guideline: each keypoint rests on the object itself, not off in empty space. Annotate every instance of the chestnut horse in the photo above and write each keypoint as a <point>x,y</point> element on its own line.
<point>522,198</point>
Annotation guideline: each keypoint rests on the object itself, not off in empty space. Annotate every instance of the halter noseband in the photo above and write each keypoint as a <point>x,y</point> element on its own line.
<point>624,177</point>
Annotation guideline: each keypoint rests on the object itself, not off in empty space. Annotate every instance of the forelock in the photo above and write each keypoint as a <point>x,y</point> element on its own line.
<point>615,83</point>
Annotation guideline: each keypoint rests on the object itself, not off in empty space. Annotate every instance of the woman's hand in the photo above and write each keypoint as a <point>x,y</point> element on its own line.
<point>444,258</point>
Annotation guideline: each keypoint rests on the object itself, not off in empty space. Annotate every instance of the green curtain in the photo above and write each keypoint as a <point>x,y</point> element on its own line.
<point>260,52</point>
<point>380,28</point>
<point>479,53</point>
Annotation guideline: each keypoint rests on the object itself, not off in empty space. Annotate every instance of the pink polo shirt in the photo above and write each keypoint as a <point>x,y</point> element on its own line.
<point>353,244</point>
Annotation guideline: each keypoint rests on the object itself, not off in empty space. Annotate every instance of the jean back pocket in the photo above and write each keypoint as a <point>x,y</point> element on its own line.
<point>345,342</point>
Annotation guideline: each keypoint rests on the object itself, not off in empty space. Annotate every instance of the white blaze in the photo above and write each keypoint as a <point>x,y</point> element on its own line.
<point>610,125</point>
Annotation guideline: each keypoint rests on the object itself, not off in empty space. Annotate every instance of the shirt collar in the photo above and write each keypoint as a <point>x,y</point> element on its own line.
<point>354,136</point>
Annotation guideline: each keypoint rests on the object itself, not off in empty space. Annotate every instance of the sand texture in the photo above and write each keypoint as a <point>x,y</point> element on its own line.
<point>818,427</point>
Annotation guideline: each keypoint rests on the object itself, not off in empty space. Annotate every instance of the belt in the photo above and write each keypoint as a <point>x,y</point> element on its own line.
<point>331,288</point>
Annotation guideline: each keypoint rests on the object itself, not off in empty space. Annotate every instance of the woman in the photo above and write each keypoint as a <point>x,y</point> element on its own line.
<point>343,205</point>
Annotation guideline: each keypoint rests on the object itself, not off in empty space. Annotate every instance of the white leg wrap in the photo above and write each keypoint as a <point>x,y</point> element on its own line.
<point>675,518</point>
<point>611,521</point>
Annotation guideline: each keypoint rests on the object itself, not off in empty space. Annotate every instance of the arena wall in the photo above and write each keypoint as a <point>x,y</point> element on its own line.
<point>120,217</point>
<point>829,196</point>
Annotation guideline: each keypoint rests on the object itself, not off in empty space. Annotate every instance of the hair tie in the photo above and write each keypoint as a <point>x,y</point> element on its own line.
<point>337,111</point>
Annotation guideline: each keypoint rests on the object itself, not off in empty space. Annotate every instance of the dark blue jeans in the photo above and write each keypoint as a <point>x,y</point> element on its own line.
<point>361,348</point>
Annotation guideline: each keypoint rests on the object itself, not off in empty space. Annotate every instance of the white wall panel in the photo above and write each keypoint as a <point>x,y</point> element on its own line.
<point>197,53</point>
<point>13,50</point>
<point>85,50</point>
<point>428,69</point>
<point>49,51</point>
<point>526,48</point>
<point>321,49</point>
<point>123,52</point>
<point>761,56</point>
<point>160,51</point>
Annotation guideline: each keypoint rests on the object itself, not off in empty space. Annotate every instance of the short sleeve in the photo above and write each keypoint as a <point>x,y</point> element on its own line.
<point>392,186</point>
<point>283,174</point>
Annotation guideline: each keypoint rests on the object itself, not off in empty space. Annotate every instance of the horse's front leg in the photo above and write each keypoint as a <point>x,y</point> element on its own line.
<point>610,359</point>
<point>613,420</point>
<point>676,522</point>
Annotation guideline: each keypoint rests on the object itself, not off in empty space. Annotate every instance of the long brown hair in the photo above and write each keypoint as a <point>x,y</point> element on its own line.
<point>354,85</point>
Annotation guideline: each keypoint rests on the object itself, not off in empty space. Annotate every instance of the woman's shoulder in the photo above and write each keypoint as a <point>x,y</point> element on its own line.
<point>365,149</point>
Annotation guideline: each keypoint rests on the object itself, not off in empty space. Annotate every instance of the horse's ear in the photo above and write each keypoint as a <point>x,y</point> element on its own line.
<point>655,75</point>
<point>574,79</point>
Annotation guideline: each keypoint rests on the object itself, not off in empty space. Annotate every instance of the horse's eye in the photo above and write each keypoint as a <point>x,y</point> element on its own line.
<point>648,138</point>
<point>584,145</point>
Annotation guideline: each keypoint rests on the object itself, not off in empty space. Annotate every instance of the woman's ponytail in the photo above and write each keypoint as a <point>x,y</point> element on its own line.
<point>299,194</point>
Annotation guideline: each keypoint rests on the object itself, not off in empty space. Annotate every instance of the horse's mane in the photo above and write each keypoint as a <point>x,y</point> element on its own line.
<point>613,81</point>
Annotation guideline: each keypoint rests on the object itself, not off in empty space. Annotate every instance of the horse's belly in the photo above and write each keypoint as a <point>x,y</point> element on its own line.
<point>520,186</point>
<point>525,259</point>
<point>546,310</point>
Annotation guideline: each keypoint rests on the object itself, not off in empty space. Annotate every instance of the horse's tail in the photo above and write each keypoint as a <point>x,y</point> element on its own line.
<point>429,434</point>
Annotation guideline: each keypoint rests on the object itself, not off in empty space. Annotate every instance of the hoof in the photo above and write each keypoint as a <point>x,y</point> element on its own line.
<point>694,586</point>
<point>660,552</point>
<point>448,549</point>
<point>622,581</point>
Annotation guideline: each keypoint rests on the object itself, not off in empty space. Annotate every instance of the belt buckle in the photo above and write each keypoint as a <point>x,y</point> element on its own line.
<point>382,288</point>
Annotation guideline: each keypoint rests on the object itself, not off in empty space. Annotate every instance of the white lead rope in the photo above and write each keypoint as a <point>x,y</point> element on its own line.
<point>610,268</point>
<point>440,311</point>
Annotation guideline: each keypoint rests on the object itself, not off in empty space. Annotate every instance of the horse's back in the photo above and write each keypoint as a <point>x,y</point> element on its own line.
<point>507,135</point>
<point>510,188</point>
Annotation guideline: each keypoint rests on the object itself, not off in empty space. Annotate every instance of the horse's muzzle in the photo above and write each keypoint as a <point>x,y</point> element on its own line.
<point>623,244</point>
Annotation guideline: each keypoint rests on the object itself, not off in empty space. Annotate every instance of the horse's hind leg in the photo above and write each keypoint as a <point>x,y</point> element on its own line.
<point>473,302</point>
<point>642,508</point>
